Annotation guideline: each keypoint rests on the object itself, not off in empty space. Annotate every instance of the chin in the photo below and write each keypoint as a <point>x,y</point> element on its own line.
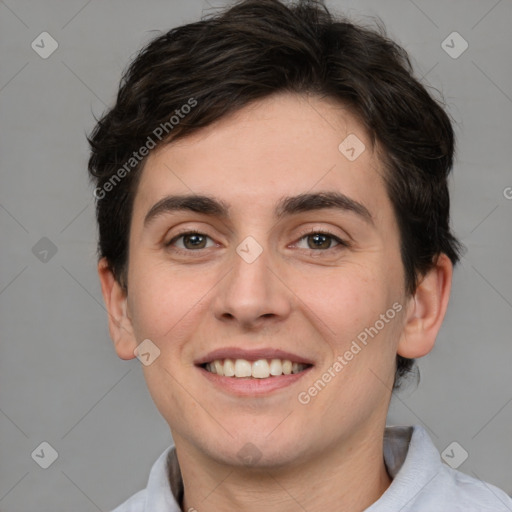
<point>253,449</point>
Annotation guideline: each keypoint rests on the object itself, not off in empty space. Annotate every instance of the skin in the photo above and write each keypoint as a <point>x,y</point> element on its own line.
<point>326,454</point>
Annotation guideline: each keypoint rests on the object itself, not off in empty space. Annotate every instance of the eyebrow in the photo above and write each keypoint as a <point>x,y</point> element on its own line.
<point>286,206</point>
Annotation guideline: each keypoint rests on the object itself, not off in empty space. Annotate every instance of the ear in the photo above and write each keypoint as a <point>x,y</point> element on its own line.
<point>119,323</point>
<point>426,310</point>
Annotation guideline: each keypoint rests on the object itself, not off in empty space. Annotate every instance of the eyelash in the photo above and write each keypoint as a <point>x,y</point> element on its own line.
<point>341,242</point>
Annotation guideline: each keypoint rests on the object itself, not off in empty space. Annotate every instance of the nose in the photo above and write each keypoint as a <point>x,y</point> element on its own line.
<point>252,294</point>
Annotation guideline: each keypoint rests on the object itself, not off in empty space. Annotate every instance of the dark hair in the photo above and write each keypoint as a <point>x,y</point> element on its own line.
<point>256,48</point>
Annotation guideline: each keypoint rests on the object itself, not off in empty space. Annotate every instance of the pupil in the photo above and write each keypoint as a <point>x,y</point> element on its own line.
<point>320,238</point>
<point>195,240</point>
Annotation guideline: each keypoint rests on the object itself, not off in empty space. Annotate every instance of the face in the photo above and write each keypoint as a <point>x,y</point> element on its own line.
<point>254,275</point>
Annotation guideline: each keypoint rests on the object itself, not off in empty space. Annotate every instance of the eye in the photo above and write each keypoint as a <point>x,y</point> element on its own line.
<point>190,240</point>
<point>316,240</point>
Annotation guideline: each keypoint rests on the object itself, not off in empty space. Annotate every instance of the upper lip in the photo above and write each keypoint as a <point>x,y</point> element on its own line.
<point>251,355</point>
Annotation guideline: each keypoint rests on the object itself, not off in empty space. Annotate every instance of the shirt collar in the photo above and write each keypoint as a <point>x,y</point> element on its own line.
<point>159,495</point>
<point>412,461</point>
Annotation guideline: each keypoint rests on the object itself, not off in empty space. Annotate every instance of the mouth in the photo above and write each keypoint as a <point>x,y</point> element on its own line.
<point>258,369</point>
<point>256,372</point>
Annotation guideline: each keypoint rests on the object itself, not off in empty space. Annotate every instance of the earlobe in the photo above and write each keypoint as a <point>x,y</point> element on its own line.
<point>426,310</point>
<point>120,325</point>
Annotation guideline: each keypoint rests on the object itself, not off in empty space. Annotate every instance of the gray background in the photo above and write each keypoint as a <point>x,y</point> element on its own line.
<point>60,380</point>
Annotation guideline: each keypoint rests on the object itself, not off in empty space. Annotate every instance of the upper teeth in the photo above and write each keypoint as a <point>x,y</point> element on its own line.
<point>260,369</point>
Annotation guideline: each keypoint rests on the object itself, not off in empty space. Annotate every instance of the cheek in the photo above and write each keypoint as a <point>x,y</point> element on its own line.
<point>345,298</point>
<point>354,308</point>
<point>161,302</point>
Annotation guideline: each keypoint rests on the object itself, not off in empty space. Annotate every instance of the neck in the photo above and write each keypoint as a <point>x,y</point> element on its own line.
<point>350,477</point>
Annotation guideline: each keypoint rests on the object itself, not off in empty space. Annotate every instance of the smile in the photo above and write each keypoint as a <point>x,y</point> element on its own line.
<point>259,369</point>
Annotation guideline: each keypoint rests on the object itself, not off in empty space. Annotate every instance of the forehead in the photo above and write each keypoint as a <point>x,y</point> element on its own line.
<point>284,145</point>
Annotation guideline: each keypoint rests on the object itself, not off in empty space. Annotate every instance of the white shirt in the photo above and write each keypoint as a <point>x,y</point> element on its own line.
<point>421,481</point>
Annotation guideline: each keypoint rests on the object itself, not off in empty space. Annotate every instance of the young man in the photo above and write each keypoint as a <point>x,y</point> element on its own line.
<point>275,248</point>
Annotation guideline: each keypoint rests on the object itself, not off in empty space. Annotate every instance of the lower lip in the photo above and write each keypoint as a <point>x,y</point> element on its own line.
<point>249,386</point>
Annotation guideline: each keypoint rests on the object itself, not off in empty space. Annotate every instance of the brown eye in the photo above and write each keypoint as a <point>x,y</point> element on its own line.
<point>194,241</point>
<point>190,241</point>
<point>319,241</point>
